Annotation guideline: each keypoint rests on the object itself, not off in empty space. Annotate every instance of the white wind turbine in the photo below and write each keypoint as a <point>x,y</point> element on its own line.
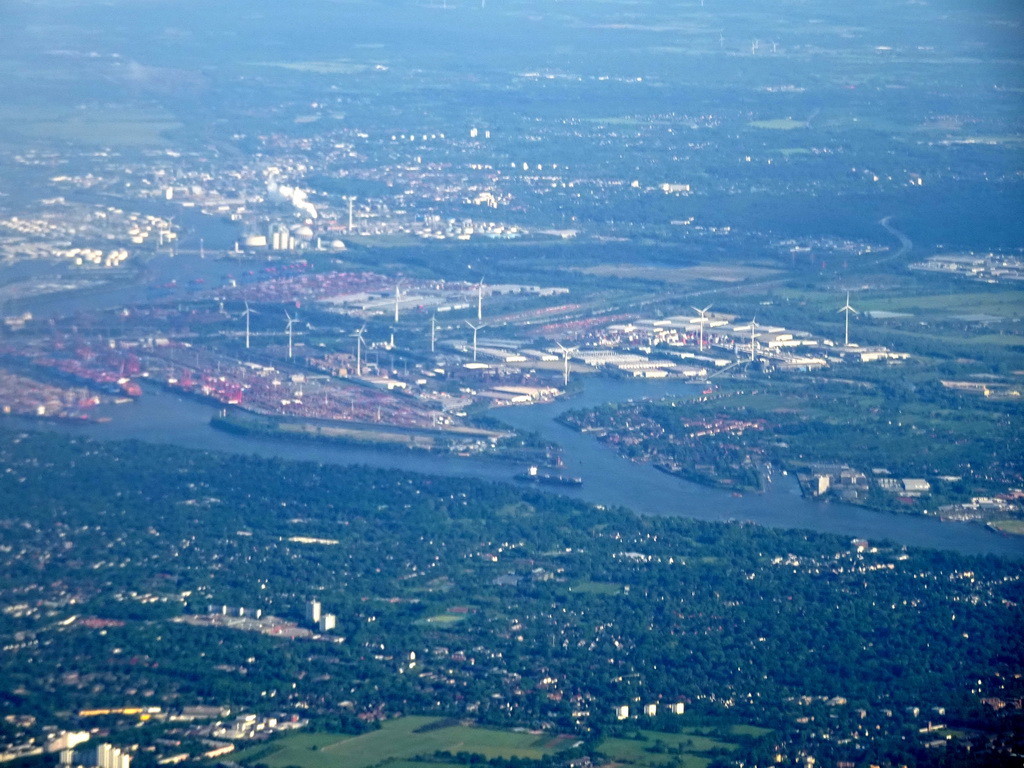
<point>247,313</point>
<point>291,322</point>
<point>566,351</point>
<point>165,231</point>
<point>847,309</point>
<point>703,320</point>
<point>398,295</point>
<point>475,329</point>
<point>359,350</point>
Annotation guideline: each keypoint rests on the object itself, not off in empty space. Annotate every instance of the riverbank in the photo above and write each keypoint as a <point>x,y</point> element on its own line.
<point>341,433</point>
<point>608,479</point>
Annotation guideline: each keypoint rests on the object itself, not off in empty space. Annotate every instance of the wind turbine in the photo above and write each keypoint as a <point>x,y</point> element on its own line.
<point>847,309</point>
<point>351,200</point>
<point>163,232</point>
<point>480,300</point>
<point>566,351</point>
<point>359,350</point>
<point>247,313</point>
<point>753,326</point>
<point>703,319</point>
<point>398,295</point>
<point>291,322</point>
<point>475,329</point>
<point>433,331</point>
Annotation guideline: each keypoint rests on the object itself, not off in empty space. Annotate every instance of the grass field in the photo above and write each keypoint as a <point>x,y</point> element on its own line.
<point>780,124</point>
<point>998,303</point>
<point>1015,527</point>
<point>330,67</point>
<point>399,740</point>
<point>596,588</point>
<point>444,619</point>
<point>690,747</point>
<point>109,125</point>
<point>682,275</point>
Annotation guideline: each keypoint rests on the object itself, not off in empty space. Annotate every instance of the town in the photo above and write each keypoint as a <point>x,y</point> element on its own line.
<point>521,384</point>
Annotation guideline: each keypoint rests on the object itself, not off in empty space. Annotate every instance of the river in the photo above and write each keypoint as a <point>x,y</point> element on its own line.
<point>608,479</point>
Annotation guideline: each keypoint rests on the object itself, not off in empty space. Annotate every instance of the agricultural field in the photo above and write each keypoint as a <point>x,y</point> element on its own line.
<point>401,739</point>
<point>683,275</point>
<point>945,305</point>
<point>107,125</point>
<point>408,740</point>
<point>977,326</point>
<point>997,304</point>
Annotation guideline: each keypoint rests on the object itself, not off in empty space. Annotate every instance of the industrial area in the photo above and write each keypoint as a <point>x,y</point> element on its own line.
<point>363,356</point>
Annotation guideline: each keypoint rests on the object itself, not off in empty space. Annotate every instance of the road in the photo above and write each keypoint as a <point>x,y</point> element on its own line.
<point>906,245</point>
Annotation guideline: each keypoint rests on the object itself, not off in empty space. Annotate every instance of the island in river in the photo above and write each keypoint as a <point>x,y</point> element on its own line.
<point>865,441</point>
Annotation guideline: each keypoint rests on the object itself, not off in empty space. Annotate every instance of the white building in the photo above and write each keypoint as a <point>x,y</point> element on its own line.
<point>104,756</point>
<point>67,740</point>
<point>313,611</point>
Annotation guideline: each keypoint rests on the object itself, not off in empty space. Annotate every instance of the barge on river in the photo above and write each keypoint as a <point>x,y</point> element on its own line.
<point>532,475</point>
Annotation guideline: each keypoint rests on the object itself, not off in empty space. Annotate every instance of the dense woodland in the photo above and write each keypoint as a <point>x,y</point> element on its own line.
<point>521,608</point>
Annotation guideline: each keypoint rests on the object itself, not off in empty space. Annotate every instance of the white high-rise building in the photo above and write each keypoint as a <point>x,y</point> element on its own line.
<point>104,756</point>
<point>327,622</point>
<point>115,758</point>
<point>313,611</point>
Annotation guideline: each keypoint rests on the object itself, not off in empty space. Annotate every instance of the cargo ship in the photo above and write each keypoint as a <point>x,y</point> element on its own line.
<point>532,475</point>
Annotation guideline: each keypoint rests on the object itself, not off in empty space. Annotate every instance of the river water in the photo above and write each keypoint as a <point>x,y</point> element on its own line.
<point>608,479</point>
